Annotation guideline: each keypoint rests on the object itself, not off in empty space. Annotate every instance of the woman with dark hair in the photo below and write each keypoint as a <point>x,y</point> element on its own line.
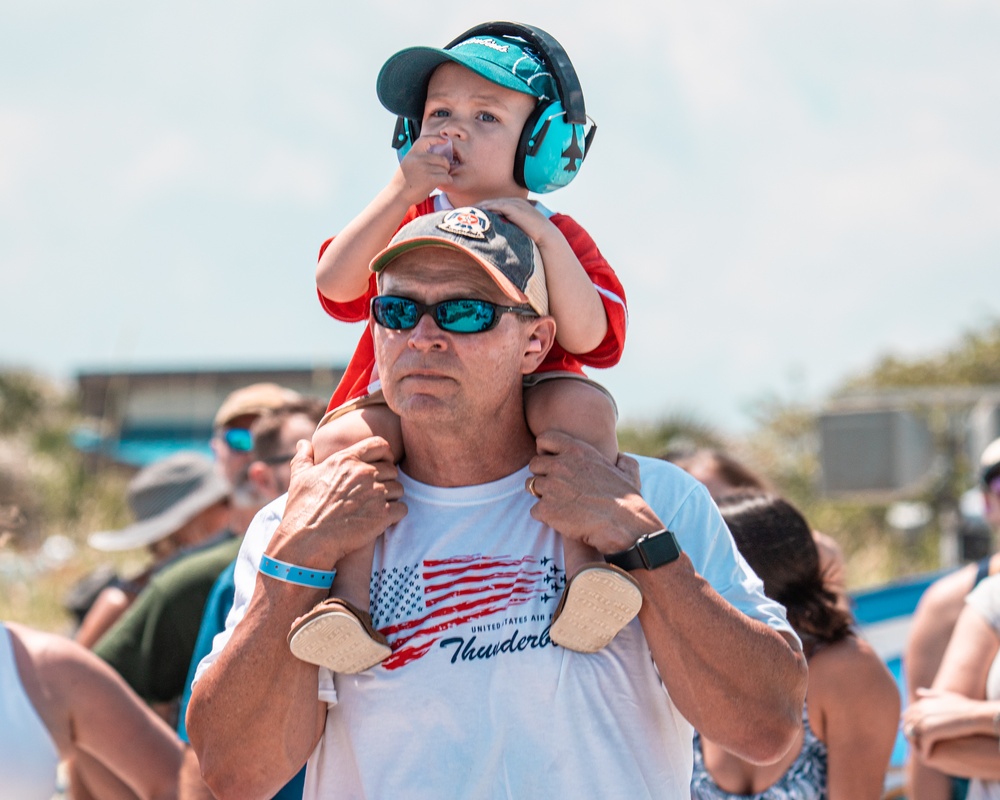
<point>722,474</point>
<point>852,705</point>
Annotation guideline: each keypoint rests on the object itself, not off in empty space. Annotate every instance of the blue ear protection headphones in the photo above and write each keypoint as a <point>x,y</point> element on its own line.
<point>555,139</point>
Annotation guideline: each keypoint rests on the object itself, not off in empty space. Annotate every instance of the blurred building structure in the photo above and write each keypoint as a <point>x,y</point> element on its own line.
<point>915,443</point>
<point>135,417</point>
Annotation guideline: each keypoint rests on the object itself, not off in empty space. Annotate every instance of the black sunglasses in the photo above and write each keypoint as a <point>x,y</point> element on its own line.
<point>273,461</point>
<point>453,316</point>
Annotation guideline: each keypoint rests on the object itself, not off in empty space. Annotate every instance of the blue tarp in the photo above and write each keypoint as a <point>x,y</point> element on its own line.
<point>137,449</point>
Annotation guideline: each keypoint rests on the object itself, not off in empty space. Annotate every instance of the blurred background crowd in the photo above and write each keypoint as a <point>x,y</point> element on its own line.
<point>120,519</point>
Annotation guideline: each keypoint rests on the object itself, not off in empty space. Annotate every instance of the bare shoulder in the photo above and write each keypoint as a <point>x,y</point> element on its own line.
<point>47,650</point>
<point>936,614</point>
<point>44,662</point>
<point>948,592</point>
<point>57,663</point>
<point>933,621</point>
<point>38,650</point>
<point>848,680</point>
<point>846,652</point>
<point>850,667</point>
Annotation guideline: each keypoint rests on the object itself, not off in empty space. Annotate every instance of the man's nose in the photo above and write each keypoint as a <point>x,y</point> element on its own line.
<point>426,334</point>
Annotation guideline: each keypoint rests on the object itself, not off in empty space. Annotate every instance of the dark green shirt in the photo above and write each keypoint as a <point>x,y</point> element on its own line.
<point>151,645</point>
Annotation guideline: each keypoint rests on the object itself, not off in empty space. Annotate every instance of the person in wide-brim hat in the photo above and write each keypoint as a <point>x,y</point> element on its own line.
<point>179,503</point>
<point>165,497</point>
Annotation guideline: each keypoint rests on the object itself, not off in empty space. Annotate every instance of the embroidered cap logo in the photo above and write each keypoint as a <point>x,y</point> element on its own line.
<point>468,222</point>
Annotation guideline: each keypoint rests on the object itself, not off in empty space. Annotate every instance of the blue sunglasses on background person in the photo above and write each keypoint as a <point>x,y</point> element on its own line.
<point>453,316</point>
<point>238,440</point>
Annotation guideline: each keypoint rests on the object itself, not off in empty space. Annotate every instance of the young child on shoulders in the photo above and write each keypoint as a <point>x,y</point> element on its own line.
<point>474,119</point>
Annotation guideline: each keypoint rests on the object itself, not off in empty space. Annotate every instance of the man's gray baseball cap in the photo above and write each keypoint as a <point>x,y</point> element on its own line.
<point>507,253</point>
<point>164,497</point>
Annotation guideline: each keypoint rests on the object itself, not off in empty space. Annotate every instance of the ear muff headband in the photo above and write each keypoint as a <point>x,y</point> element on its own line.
<point>555,139</point>
<point>555,57</point>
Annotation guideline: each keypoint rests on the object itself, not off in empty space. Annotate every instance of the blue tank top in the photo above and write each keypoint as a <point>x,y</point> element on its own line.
<point>804,780</point>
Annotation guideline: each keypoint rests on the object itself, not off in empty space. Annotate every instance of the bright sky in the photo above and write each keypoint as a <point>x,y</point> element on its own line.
<point>787,190</point>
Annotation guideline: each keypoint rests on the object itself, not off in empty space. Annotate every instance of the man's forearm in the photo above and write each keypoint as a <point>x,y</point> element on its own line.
<point>254,716</point>
<point>738,682</point>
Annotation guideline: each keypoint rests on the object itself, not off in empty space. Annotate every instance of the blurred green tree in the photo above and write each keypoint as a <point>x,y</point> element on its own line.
<point>670,433</point>
<point>784,446</point>
<point>972,361</point>
<point>22,400</point>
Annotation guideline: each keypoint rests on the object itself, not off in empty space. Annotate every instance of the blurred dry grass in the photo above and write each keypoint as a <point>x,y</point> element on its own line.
<point>50,500</point>
<point>33,593</point>
<point>37,569</point>
<point>874,553</point>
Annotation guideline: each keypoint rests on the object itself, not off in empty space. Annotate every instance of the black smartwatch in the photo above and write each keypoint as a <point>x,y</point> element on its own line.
<point>649,552</point>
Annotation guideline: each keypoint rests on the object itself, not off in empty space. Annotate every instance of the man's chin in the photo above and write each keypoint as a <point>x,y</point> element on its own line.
<point>423,403</point>
<point>424,385</point>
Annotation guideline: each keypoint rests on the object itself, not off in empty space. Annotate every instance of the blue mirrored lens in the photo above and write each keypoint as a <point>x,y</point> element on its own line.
<point>465,316</point>
<point>397,313</point>
<point>238,439</point>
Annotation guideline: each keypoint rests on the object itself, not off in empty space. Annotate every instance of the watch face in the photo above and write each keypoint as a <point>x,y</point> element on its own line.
<point>659,549</point>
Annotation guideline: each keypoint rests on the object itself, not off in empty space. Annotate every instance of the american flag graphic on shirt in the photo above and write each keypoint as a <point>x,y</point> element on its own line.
<point>415,605</point>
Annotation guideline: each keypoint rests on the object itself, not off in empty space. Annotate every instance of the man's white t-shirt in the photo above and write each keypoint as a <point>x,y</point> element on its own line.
<point>476,701</point>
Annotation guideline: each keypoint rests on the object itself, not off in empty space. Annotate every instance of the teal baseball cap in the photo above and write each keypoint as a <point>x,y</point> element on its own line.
<point>505,60</point>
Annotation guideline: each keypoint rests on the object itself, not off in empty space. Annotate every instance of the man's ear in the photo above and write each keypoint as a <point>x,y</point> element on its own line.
<point>991,504</point>
<point>541,337</point>
<point>259,476</point>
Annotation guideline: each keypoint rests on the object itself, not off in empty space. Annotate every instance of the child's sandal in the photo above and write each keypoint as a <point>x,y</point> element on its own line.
<point>597,603</point>
<point>338,636</point>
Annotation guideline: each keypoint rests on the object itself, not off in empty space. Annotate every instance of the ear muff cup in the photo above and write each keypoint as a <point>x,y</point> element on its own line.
<point>550,151</point>
<point>406,133</point>
<point>551,148</point>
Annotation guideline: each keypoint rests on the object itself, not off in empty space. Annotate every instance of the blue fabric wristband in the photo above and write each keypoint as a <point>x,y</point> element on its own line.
<point>292,573</point>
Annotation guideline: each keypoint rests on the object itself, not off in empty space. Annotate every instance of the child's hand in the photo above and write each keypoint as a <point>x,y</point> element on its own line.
<point>574,301</point>
<point>523,214</point>
<point>425,168</point>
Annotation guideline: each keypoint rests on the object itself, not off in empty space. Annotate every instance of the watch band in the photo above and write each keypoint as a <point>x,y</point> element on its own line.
<point>649,552</point>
